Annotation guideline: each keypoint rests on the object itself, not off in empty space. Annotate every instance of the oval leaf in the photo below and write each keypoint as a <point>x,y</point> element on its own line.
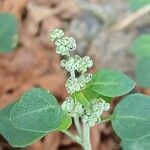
<point>90,95</point>
<point>8,32</point>
<point>141,46</point>
<point>111,83</point>
<point>136,4</point>
<point>37,111</point>
<point>131,117</point>
<point>142,72</point>
<point>16,137</point>
<point>142,144</point>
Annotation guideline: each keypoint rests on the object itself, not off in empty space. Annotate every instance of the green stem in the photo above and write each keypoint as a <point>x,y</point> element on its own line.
<point>103,121</point>
<point>72,136</point>
<point>86,137</point>
<point>78,126</point>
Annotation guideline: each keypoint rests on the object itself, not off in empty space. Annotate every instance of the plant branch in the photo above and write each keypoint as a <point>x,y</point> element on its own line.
<point>131,18</point>
<point>78,126</point>
<point>72,136</point>
<point>86,137</point>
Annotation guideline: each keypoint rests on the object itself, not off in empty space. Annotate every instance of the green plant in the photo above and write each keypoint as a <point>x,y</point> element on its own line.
<point>8,32</point>
<point>141,49</point>
<point>136,4</point>
<point>37,112</point>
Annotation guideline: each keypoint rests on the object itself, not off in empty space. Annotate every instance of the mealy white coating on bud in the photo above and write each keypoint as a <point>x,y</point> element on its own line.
<point>84,79</point>
<point>65,45</point>
<point>78,110</point>
<point>70,64</point>
<point>68,104</point>
<point>56,34</point>
<point>73,107</point>
<point>76,84</point>
<point>72,85</point>
<point>97,108</point>
<point>84,64</point>
<point>77,63</point>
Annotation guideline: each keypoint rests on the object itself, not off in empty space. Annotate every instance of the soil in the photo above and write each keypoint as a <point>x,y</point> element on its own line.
<point>34,63</point>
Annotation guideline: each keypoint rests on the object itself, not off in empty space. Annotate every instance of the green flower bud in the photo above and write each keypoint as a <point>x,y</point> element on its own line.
<point>97,108</point>
<point>70,64</point>
<point>78,110</point>
<point>84,64</point>
<point>65,45</point>
<point>56,34</point>
<point>74,108</point>
<point>72,85</point>
<point>84,79</point>
<point>68,104</point>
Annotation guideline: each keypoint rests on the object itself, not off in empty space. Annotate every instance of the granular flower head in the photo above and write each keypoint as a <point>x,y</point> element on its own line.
<point>56,34</point>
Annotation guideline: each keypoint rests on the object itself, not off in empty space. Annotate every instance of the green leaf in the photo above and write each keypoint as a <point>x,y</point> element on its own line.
<point>136,4</point>
<point>38,111</point>
<point>16,137</point>
<point>65,122</point>
<point>142,72</point>
<point>111,83</point>
<point>90,95</point>
<point>131,117</point>
<point>141,46</point>
<point>142,144</point>
<point>79,96</point>
<point>8,32</point>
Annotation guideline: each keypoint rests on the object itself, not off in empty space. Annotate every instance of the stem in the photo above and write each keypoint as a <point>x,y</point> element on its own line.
<point>72,73</point>
<point>130,19</point>
<point>86,137</point>
<point>78,127</point>
<point>105,120</point>
<point>72,136</point>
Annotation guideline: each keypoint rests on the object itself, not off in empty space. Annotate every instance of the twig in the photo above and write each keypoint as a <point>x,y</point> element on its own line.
<point>86,139</point>
<point>72,136</point>
<point>78,127</point>
<point>131,18</point>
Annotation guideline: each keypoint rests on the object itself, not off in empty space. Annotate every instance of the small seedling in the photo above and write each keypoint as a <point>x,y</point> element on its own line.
<point>37,112</point>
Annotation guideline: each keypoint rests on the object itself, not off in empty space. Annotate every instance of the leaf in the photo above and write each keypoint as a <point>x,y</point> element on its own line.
<point>38,111</point>
<point>81,99</point>
<point>142,72</point>
<point>65,122</point>
<point>90,95</point>
<point>141,46</point>
<point>131,117</point>
<point>16,137</point>
<point>136,4</point>
<point>111,83</point>
<point>8,32</point>
<point>142,144</point>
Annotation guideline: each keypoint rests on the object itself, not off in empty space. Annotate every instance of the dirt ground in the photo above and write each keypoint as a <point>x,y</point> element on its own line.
<point>34,63</point>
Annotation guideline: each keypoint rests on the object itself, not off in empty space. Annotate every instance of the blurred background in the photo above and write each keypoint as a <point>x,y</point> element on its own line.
<point>114,33</point>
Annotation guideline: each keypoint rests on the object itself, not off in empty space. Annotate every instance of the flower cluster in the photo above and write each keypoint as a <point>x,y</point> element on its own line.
<point>56,34</point>
<point>97,108</point>
<point>76,84</point>
<point>73,107</point>
<point>77,63</point>
<point>63,44</point>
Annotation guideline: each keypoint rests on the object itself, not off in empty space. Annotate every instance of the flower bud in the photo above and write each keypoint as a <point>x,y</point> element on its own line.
<point>56,34</point>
